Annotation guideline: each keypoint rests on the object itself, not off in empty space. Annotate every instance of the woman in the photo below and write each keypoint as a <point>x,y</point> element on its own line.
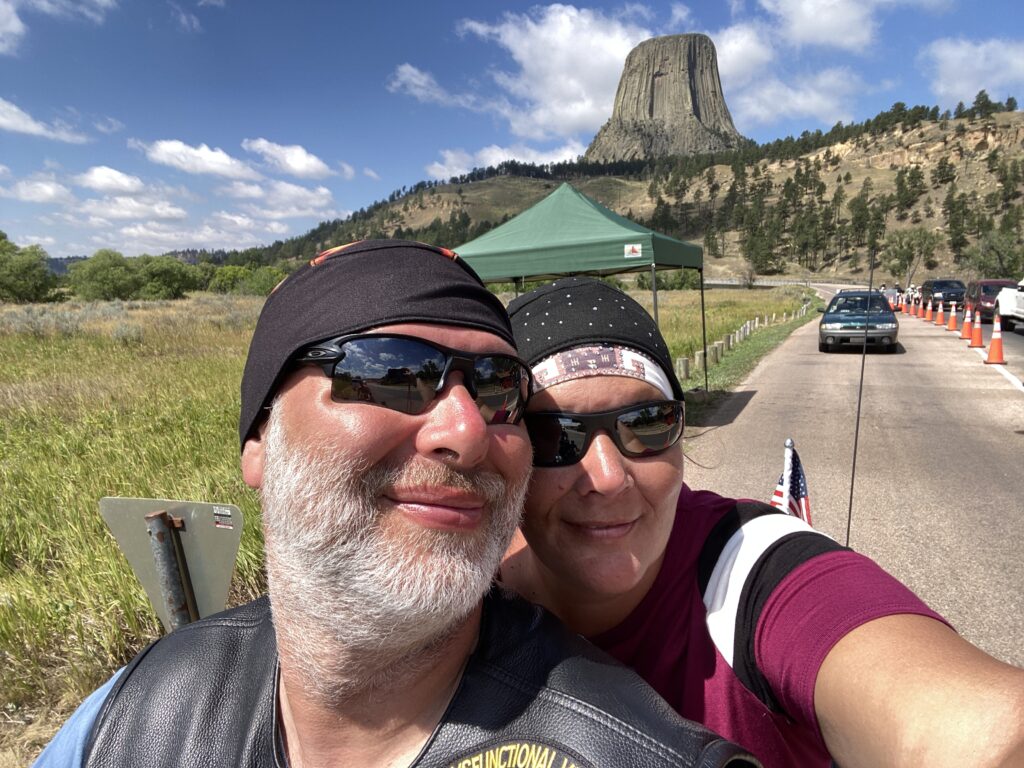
<point>742,617</point>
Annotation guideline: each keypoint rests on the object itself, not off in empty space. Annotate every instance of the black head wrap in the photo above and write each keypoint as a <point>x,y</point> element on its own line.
<point>356,287</point>
<point>577,311</point>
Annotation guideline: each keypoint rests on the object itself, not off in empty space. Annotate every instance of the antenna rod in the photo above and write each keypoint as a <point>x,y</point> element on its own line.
<point>860,393</point>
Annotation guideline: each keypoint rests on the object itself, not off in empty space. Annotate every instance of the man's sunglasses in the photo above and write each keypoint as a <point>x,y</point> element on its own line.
<point>406,373</point>
<point>561,439</point>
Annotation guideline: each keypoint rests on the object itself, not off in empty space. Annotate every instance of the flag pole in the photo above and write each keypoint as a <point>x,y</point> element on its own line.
<point>787,473</point>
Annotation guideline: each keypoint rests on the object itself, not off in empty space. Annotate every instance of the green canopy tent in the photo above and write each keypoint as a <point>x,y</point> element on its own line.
<point>567,233</point>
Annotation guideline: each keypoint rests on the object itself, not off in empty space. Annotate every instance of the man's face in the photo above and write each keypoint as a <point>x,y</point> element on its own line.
<point>383,529</point>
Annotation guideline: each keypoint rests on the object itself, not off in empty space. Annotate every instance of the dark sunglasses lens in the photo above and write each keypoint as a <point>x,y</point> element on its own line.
<point>400,374</point>
<point>501,388</point>
<point>558,441</point>
<point>650,429</point>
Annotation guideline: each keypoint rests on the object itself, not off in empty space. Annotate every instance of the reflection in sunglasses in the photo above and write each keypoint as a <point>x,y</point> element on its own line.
<point>406,373</point>
<point>645,429</point>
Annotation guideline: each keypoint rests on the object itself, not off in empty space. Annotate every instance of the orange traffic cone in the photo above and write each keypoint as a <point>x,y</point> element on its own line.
<point>920,308</point>
<point>952,318</point>
<point>995,345</point>
<point>965,332</point>
<point>939,319</point>
<point>903,305</point>
<point>976,341</point>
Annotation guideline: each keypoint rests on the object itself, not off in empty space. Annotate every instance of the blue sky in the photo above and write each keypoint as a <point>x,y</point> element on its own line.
<point>150,125</point>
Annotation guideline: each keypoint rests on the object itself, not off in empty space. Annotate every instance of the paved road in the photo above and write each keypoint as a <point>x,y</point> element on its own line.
<point>939,498</point>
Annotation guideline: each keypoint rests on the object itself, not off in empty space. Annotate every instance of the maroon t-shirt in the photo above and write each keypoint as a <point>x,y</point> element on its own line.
<point>803,594</point>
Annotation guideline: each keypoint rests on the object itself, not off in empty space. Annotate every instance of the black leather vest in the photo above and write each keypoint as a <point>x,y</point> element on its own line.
<point>533,695</point>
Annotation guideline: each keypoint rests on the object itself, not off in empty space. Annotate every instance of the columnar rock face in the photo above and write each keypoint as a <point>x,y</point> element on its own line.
<point>669,102</point>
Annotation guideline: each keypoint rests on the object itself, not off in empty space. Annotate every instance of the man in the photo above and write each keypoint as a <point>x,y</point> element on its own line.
<point>381,403</point>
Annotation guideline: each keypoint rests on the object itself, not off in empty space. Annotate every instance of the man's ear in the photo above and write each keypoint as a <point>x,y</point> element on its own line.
<point>253,456</point>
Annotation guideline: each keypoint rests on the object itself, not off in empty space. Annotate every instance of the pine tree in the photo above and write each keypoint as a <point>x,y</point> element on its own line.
<point>983,106</point>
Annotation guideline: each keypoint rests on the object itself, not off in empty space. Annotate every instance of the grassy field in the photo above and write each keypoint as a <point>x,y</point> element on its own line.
<point>141,399</point>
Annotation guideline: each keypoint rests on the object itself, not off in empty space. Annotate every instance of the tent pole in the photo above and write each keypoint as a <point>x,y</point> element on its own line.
<point>704,329</point>
<point>654,293</point>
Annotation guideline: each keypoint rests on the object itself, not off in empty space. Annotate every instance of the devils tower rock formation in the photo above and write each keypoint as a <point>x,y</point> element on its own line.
<point>669,102</point>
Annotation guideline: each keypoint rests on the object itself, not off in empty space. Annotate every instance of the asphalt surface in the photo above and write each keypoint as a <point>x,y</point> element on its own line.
<point>939,489</point>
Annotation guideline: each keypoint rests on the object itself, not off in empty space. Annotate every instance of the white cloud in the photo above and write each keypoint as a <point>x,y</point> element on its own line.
<point>123,207</point>
<point>215,3</point>
<point>108,125</point>
<point>43,240</point>
<point>16,120</point>
<point>242,190</point>
<point>199,160</point>
<point>187,22</point>
<point>423,87</point>
<point>347,171</point>
<point>824,96</point>
<point>241,222</point>
<point>93,10</point>
<point>846,24</point>
<point>4,170</point>
<point>287,201</point>
<point>292,159</point>
<point>13,29</point>
<point>40,189</point>
<point>371,174</point>
<point>455,162</point>
<point>635,11</point>
<point>569,63</point>
<point>681,17</point>
<point>960,68</point>
<point>744,53</point>
<point>102,178</point>
<point>236,220</point>
<point>158,236</point>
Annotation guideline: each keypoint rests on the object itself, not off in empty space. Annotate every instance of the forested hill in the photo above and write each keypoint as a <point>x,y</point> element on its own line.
<point>930,193</point>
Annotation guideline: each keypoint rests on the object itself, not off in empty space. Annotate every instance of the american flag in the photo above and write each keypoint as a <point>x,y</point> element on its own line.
<point>791,491</point>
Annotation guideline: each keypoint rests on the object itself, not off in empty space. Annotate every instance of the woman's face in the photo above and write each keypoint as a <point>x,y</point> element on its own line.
<point>599,528</point>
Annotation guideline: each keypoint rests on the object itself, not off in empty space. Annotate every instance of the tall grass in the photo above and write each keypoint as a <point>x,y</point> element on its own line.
<point>141,399</point>
<point>106,400</point>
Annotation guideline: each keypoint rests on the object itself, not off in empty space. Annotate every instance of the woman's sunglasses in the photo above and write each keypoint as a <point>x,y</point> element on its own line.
<point>561,439</point>
<point>406,373</point>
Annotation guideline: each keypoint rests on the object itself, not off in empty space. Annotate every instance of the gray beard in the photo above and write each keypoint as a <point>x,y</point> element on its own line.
<point>359,598</point>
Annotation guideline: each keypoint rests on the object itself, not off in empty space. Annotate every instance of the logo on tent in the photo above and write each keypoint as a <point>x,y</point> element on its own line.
<point>633,251</point>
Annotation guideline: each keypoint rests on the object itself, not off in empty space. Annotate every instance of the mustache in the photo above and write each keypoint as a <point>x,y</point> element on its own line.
<point>378,479</point>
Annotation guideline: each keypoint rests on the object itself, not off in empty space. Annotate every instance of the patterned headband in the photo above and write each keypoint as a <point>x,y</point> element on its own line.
<point>599,360</point>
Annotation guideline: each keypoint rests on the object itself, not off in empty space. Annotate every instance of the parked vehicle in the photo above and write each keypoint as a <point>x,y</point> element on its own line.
<point>1010,303</point>
<point>946,291</point>
<point>981,294</point>
<point>858,317</point>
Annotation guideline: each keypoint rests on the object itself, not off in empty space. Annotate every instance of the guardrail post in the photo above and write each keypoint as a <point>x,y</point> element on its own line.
<point>683,368</point>
<point>698,360</point>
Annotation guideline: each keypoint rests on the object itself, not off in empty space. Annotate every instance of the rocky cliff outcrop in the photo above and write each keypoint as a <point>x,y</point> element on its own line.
<point>669,102</point>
